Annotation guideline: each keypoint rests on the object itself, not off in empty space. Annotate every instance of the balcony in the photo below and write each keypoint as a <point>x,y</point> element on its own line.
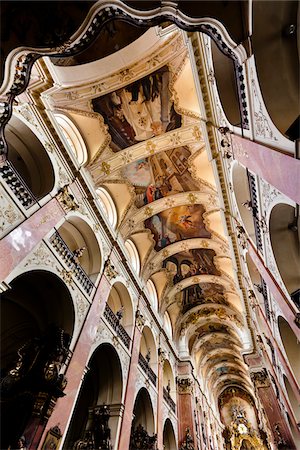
<point>115,324</point>
<point>17,185</point>
<point>254,202</point>
<point>147,369</point>
<point>70,260</point>
<point>169,399</point>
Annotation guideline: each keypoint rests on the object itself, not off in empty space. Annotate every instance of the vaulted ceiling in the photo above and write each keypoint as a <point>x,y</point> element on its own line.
<point>139,114</point>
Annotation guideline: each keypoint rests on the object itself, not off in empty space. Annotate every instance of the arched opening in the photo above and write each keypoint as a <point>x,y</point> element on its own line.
<point>148,354</point>
<point>151,289</point>
<point>292,398</point>
<point>291,346</point>
<point>143,428</point>
<point>29,160</point>
<point>169,386</point>
<point>226,84</point>
<point>108,206</point>
<point>285,239</point>
<point>77,244</point>
<point>37,321</point>
<point>169,440</point>
<point>73,138</point>
<point>97,413</point>
<point>134,256</point>
<point>168,325</point>
<point>242,195</point>
<point>119,311</point>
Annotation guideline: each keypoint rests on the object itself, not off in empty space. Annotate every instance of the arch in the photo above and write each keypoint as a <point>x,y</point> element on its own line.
<point>284,228</point>
<point>119,300</point>
<point>134,256</point>
<point>242,194</point>
<point>37,313</point>
<point>291,346</point>
<point>151,289</point>
<point>72,136</point>
<point>224,72</point>
<point>292,398</point>
<point>169,440</point>
<point>143,412</point>
<point>169,379</point>
<point>102,386</point>
<point>82,242</point>
<point>168,325</point>
<point>29,158</point>
<point>148,348</point>
<point>108,206</point>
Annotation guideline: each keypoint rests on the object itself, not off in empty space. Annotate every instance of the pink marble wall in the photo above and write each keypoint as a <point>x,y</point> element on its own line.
<point>19,242</point>
<point>130,392</point>
<point>279,169</point>
<point>79,360</point>
<point>160,399</point>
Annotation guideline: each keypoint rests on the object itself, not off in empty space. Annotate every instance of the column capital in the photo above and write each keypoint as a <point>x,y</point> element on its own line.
<point>260,378</point>
<point>139,320</point>
<point>185,385</point>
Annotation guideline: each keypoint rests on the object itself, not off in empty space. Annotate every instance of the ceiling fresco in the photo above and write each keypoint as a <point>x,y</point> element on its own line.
<point>152,156</point>
<point>139,111</point>
<point>177,224</point>
<point>160,175</point>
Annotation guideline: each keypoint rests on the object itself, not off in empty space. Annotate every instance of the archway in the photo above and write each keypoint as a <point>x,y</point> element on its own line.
<point>169,386</point>
<point>169,439</point>
<point>37,321</point>
<point>98,407</point>
<point>29,159</point>
<point>285,241</point>
<point>291,346</point>
<point>242,194</point>
<point>76,242</point>
<point>292,398</point>
<point>143,428</point>
<point>119,312</point>
<point>148,354</point>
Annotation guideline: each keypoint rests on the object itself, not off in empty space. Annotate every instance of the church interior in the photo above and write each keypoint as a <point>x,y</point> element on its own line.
<point>149,225</point>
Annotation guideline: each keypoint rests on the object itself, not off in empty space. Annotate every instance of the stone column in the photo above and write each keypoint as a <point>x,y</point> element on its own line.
<point>76,369</point>
<point>267,396</point>
<point>131,381</point>
<point>279,169</point>
<point>185,403</point>
<point>160,400</point>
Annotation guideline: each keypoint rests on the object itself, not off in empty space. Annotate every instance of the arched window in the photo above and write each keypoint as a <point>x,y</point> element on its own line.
<point>73,138</point>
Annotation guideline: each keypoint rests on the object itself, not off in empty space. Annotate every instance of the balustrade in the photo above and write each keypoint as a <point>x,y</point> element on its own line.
<point>70,260</point>
<point>254,203</point>
<point>169,399</point>
<point>18,186</point>
<point>115,324</point>
<point>147,369</point>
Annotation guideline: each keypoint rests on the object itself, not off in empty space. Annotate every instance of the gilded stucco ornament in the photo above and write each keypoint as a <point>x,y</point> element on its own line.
<point>184,385</point>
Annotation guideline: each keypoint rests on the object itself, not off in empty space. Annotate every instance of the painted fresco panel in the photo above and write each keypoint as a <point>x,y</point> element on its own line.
<point>141,110</point>
<point>176,224</point>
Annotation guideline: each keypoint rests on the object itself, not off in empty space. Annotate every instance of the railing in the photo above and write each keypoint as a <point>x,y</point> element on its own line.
<point>169,399</point>
<point>147,369</point>
<point>254,202</point>
<point>265,296</point>
<point>68,256</point>
<point>115,324</point>
<point>18,186</point>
